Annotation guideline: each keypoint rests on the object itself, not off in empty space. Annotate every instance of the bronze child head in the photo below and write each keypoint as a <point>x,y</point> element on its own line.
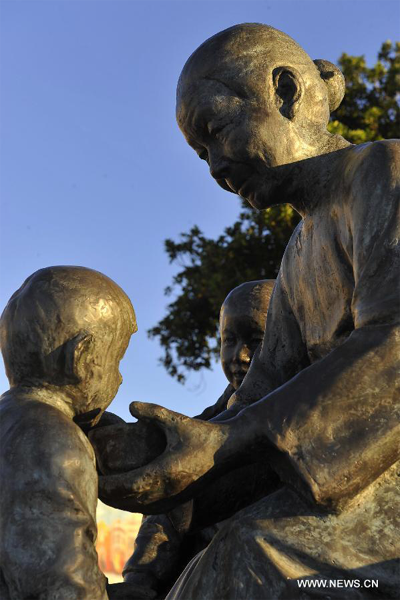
<point>67,328</point>
<point>242,323</point>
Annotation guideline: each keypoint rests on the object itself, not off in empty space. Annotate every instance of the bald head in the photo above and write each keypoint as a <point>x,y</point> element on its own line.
<point>239,52</point>
<point>237,56</point>
<point>57,306</point>
<point>250,296</point>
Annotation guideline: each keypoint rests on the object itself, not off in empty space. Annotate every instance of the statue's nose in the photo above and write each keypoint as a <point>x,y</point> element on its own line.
<point>242,354</point>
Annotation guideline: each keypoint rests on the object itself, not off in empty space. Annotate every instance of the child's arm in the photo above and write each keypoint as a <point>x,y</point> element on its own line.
<point>156,561</point>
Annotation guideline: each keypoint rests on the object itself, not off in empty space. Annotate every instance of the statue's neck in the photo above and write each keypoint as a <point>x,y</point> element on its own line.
<point>46,394</point>
<point>307,181</point>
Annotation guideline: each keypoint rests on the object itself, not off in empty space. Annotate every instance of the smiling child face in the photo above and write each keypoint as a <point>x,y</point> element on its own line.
<point>242,324</point>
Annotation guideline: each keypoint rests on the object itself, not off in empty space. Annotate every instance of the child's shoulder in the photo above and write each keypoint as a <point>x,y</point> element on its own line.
<point>39,430</point>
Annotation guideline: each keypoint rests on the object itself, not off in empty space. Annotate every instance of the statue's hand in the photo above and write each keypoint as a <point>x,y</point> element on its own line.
<point>196,453</point>
<point>121,447</point>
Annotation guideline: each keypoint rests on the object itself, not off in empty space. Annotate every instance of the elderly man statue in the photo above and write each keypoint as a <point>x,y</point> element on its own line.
<point>319,402</point>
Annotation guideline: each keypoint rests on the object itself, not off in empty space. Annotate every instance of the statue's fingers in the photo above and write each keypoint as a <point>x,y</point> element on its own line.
<point>151,489</point>
<point>143,485</point>
<point>146,410</point>
<point>113,486</point>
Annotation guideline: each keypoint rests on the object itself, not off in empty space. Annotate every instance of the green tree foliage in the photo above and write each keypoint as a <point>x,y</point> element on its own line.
<point>370,109</point>
<point>252,248</point>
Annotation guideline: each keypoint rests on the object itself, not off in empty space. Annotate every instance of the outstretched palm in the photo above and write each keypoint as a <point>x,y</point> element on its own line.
<point>196,453</point>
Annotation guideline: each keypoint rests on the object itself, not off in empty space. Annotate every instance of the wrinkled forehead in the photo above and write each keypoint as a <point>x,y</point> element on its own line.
<point>222,83</point>
<point>207,99</point>
<point>234,73</point>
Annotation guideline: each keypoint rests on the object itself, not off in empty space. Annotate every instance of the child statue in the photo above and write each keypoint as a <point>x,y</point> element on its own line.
<point>63,335</point>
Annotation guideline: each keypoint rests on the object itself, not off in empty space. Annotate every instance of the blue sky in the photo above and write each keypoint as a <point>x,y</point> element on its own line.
<point>93,168</point>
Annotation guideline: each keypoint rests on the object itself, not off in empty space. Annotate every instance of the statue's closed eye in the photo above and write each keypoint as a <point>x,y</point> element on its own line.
<point>214,130</point>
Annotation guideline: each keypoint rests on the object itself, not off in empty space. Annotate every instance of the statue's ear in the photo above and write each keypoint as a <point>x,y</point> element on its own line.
<point>74,358</point>
<point>288,89</point>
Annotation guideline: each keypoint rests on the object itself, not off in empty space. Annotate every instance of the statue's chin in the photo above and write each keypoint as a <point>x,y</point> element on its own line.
<point>256,200</point>
<point>270,189</point>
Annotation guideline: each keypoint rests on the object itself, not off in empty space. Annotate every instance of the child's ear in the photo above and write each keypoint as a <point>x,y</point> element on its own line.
<point>75,356</point>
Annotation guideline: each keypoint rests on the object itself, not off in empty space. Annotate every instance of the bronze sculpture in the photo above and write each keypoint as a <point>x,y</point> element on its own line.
<point>63,334</point>
<point>319,402</point>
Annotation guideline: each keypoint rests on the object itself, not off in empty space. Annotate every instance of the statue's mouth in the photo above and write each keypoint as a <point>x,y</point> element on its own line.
<point>243,186</point>
<point>235,187</point>
<point>226,186</point>
<point>239,375</point>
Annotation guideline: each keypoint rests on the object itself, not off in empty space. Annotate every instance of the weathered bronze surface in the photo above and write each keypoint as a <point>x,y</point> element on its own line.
<point>318,404</point>
<point>63,334</point>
